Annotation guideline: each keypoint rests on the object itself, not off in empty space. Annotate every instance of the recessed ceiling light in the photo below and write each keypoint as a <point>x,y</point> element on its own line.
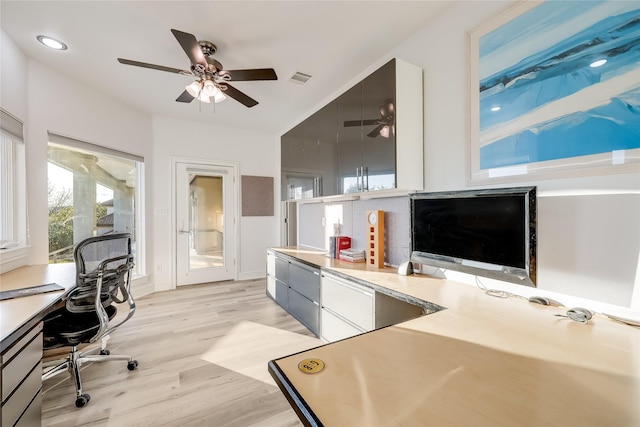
<point>496,108</point>
<point>52,43</point>
<point>598,63</point>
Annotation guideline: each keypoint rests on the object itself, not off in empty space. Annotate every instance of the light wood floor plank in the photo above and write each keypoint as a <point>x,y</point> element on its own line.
<point>202,353</point>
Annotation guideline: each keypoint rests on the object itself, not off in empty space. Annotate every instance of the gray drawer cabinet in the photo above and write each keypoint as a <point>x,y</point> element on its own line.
<point>305,310</point>
<point>305,280</point>
<point>22,380</point>
<point>296,288</point>
<point>277,279</point>
<point>304,295</point>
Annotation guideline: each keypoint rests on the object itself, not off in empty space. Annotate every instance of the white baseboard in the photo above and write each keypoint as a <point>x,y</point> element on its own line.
<point>142,286</point>
<point>250,275</point>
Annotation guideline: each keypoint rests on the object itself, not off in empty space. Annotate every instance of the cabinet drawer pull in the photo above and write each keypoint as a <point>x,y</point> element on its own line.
<point>346,284</point>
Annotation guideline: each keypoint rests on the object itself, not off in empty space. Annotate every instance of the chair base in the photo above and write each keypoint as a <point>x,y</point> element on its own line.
<point>75,359</point>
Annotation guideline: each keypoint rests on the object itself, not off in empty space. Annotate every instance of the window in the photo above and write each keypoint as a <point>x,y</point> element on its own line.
<point>14,250</point>
<point>92,191</point>
<point>12,198</point>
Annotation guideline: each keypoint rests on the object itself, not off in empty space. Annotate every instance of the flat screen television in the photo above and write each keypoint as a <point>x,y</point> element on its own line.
<point>489,233</point>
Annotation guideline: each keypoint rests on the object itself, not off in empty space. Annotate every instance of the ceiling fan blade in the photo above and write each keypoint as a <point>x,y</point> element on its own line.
<point>248,75</point>
<point>350,123</point>
<point>153,66</point>
<point>191,47</point>
<point>185,97</point>
<point>375,132</point>
<point>239,96</point>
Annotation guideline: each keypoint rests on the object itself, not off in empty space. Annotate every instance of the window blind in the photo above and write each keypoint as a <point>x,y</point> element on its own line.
<point>12,126</point>
<point>83,145</point>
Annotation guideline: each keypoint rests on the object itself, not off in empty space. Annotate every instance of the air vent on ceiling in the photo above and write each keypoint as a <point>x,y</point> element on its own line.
<point>299,77</point>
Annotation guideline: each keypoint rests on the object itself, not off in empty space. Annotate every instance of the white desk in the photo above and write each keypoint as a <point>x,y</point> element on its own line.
<point>481,361</point>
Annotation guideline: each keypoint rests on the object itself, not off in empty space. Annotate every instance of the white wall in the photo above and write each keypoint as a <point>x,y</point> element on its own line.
<point>13,78</point>
<point>66,107</point>
<point>256,154</point>
<point>48,101</point>
<point>589,227</point>
<point>589,231</point>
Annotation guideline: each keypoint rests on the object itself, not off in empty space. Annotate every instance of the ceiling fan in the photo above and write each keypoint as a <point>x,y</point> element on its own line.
<point>385,124</point>
<point>212,81</point>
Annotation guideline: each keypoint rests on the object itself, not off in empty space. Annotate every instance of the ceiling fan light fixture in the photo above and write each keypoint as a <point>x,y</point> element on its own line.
<point>204,98</point>
<point>219,97</point>
<point>210,89</point>
<point>194,88</point>
<point>384,132</point>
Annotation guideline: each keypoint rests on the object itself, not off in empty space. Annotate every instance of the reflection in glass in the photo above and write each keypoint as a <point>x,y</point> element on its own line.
<point>206,222</point>
<point>90,193</point>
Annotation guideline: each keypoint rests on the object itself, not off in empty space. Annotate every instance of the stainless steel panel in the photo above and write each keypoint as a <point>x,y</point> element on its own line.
<point>282,270</point>
<point>305,280</point>
<point>305,310</point>
<point>282,294</point>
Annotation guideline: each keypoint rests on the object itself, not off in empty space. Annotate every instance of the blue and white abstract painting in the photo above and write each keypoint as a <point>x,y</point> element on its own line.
<point>560,81</point>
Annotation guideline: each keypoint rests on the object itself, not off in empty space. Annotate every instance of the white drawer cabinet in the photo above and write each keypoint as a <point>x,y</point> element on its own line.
<point>335,328</point>
<point>271,286</point>
<point>349,308</point>
<point>331,305</point>
<point>349,300</point>
<point>271,274</point>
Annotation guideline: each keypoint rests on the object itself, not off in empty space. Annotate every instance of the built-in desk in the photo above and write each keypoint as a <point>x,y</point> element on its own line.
<point>21,339</point>
<point>481,360</point>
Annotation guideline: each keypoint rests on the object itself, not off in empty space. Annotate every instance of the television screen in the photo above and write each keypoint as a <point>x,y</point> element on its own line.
<point>484,232</point>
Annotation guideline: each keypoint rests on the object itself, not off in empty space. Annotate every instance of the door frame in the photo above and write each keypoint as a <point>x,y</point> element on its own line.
<point>235,170</point>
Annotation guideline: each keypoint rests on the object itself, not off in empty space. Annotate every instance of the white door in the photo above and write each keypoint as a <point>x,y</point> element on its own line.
<point>205,217</point>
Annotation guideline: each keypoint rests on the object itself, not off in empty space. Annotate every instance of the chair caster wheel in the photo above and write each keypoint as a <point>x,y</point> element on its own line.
<point>132,365</point>
<point>105,352</point>
<point>82,400</point>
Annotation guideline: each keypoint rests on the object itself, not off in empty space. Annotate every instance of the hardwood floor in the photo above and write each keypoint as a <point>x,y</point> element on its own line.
<point>202,353</point>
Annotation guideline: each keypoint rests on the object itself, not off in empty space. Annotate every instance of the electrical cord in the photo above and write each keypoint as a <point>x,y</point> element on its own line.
<point>577,314</point>
<point>496,292</point>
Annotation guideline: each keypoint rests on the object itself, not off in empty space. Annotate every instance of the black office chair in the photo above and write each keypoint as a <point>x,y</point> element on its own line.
<point>103,269</point>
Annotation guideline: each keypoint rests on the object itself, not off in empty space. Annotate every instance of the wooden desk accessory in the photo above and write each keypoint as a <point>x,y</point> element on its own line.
<point>375,239</point>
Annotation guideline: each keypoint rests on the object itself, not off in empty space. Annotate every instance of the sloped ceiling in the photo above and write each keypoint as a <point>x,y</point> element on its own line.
<point>334,41</point>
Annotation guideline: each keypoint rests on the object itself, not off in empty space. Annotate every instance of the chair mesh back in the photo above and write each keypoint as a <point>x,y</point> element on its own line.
<point>92,252</point>
<point>88,255</point>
